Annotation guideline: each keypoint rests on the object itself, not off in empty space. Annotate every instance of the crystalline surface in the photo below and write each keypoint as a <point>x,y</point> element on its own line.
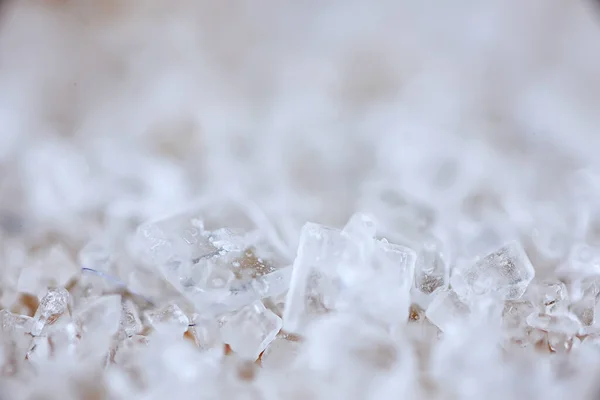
<point>218,270</point>
<point>506,272</point>
<point>447,310</point>
<point>52,306</point>
<point>249,330</point>
<point>340,270</point>
<point>169,319</point>
<point>431,271</point>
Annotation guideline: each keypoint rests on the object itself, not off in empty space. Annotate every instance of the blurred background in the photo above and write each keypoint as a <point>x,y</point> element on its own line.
<point>448,113</point>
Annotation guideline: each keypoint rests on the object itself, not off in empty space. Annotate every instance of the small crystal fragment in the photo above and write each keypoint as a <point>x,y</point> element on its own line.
<point>52,306</point>
<point>170,319</point>
<point>205,332</point>
<point>507,272</point>
<point>249,330</point>
<point>130,323</point>
<point>431,273</point>
<point>446,310</point>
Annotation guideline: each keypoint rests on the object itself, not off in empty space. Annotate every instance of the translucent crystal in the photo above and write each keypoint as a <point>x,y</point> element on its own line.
<point>384,293</point>
<point>249,330</point>
<point>52,306</point>
<point>130,323</point>
<point>314,286</point>
<point>96,255</point>
<point>205,332</point>
<point>97,322</point>
<point>348,270</point>
<point>550,297</point>
<point>567,324</point>
<point>14,332</point>
<point>180,238</point>
<point>514,319</point>
<point>431,272</point>
<point>280,353</point>
<point>447,310</point>
<point>100,318</point>
<point>218,271</point>
<point>169,319</point>
<point>506,272</point>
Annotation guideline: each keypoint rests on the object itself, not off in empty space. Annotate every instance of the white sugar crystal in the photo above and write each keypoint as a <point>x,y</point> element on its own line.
<point>447,310</point>
<point>249,330</point>
<point>52,306</point>
<point>280,353</point>
<point>506,272</point>
<point>550,297</point>
<point>130,323</point>
<point>431,271</point>
<point>567,323</point>
<point>101,316</point>
<point>206,333</point>
<point>170,319</point>
<point>332,271</point>
<point>313,286</point>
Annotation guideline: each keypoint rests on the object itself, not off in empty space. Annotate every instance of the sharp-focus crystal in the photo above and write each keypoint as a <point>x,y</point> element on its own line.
<point>218,271</point>
<point>505,272</point>
<point>447,310</point>
<point>52,306</point>
<point>249,330</point>
<point>348,270</point>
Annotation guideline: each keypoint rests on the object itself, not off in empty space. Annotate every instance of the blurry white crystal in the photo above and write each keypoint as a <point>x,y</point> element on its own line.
<point>97,321</point>
<point>205,332</point>
<point>95,255</point>
<point>249,330</point>
<point>52,268</point>
<point>52,306</point>
<point>280,353</point>
<point>100,316</point>
<point>584,305</point>
<point>506,272</point>
<point>169,319</point>
<point>348,269</point>
<point>447,310</point>
<point>130,323</point>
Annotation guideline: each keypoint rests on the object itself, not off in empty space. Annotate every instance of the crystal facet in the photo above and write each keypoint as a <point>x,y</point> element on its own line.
<point>249,330</point>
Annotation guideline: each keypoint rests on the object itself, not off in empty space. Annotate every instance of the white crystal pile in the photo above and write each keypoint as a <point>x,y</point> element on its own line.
<point>275,200</point>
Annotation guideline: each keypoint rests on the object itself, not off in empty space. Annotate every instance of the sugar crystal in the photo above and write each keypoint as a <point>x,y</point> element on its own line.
<point>507,272</point>
<point>249,330</point>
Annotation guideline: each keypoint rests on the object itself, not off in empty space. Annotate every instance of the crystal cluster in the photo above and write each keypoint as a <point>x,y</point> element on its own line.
<point>299,200</point>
